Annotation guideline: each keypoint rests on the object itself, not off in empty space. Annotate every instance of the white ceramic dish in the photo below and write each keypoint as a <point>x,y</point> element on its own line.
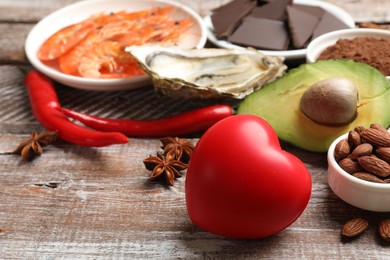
<point>288,54</point>
<point>318,45</point>
<point>195,37</point>
<point>359,193</point>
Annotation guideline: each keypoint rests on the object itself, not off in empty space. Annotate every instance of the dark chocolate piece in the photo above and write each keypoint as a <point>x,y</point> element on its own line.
<point>328,23</point>
<point>275,10</point>
<point>261,34</point>
<point>301,26</point>
<point>226,20</point>
<point>272,24</point>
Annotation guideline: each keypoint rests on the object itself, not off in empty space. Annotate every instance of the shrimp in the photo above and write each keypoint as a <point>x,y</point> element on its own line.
<point>102,19</point>
<point>70,61</point>
<point>107,59</point>
<point>63,40</point>
<point>164,31</point>
<point>111,30</point>
<point>94,48</point>
<point>116,30</point>
<point>169,32</point>
<point>156,11</point>
<point>66,38</point>
<point>114,27</point>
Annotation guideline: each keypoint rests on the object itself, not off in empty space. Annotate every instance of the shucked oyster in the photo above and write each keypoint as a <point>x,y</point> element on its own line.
<point>206,73</point>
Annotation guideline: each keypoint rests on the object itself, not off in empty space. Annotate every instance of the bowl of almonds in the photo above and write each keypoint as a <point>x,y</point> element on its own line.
<point>359,167</point>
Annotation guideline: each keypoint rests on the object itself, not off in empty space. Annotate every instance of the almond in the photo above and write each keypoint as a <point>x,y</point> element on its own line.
<point>384,229</point>
<point>375,137</point>
<point>361,150</point>
<point>350,166</point>
<point>378,126</point>
<point>354,138</point>
<point>374,165</point>
<point>383,153</point>
<point>368,177</point>
<point>354,227</point>
<point>342,149</point>
<point>359,129</point>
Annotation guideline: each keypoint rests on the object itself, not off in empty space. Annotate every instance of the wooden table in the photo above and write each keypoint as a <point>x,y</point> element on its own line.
<point>94,203</point>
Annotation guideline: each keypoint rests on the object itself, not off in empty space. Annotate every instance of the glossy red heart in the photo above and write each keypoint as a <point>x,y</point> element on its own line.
<point>241,184</point>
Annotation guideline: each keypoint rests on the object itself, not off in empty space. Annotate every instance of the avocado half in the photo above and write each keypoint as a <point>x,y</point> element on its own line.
<point>279,102</point>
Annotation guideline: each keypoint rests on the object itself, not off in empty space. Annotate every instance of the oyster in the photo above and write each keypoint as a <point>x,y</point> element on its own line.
<point>206,73</point>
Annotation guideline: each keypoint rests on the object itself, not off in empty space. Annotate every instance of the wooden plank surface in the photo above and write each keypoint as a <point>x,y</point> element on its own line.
<point>97,203</point>
<point>366,10</point>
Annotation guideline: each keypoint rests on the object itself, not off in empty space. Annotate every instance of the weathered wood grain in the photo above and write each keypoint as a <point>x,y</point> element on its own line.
<point>27,11</point>
<point>97,203</point>
<point>12,40</point>
<point>366,10</point>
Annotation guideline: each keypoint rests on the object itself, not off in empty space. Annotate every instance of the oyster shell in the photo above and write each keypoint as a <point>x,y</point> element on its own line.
<point>206,73</point>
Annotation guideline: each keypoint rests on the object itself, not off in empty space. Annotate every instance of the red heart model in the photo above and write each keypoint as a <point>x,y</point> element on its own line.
<point>241,184</point>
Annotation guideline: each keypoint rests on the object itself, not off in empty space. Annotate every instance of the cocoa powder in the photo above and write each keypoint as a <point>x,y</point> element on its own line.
<point>368,50</point>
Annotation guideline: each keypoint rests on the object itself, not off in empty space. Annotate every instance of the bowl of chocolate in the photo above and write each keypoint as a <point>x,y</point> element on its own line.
<point>280,28</point>
<point>365,45</point>
<point>359,170</point>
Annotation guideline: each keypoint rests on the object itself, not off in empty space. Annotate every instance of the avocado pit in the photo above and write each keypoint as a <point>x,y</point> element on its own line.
<point>331,102</point>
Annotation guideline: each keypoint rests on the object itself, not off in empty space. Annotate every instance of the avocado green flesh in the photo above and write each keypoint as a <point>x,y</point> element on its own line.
<point>278,102</point>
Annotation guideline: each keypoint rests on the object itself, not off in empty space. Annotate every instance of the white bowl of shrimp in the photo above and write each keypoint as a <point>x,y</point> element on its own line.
<point>82,45</point>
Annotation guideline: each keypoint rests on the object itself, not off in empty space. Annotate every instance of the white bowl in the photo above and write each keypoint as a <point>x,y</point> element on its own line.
<point>359,193</point>
<point>318,45</point>
<point>195,37</point>
<point>287,54</point>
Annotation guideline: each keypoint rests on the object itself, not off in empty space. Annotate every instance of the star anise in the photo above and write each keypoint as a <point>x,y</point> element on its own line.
<point>164,166</point>
<point>28,149</point>
<point>179,149</point>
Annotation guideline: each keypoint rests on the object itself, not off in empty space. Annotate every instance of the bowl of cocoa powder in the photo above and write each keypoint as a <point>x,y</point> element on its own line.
<point>359,168</point>
<point>370,46</point>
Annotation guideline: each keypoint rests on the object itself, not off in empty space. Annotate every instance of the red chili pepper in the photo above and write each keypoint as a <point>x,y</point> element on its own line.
<point>47,110</point>
<point>177,125</point>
